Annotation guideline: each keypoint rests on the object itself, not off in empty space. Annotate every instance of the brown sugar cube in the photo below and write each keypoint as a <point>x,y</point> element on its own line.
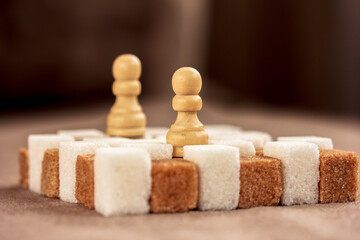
<point>50,173</point>
<point>260,181</point>
<point>24,168</point>
<point>174,186</point>
<point>84,183</point>
<point>338,176</point>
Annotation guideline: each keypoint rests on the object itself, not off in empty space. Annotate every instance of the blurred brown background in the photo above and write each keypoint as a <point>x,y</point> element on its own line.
<point>298,54</point>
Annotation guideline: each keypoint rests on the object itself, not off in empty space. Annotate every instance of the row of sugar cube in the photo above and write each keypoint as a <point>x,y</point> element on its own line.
<point>123,180</point>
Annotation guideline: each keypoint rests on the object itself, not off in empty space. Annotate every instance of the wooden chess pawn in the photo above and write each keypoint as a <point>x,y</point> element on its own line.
<point>187,129</point>
<point>126,118</point>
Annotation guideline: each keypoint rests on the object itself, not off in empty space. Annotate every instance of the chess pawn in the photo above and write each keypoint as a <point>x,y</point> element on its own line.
<point>187,129</point>
<point>126,118</point>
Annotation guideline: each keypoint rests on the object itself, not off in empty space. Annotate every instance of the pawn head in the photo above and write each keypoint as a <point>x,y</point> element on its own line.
<point>186,81</point>
<point>126,67</point>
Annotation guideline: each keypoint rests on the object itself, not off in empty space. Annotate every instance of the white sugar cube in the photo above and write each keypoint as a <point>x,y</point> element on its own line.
<point>146,141</point>
<point>156,131</point>
<point>219,175</point>
<point>222,135</point>
<point>80,134</point>
<point>112,141</point>
<point>321,142</point>
<point>258,141</point>
<point>161,138</point>
<point>146,136</point>
<point>214,135</point>
<point>218,131</point>
<point>246,148</point>
<point>68,152</point>
<point>157,150</point>
<point>266,136</point>
<point>122,181</point>
<point>221,128</point>
<point>38,143</point>
<point>300,170</point>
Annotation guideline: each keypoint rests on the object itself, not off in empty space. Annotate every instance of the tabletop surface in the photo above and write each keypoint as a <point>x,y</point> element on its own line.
<point>24,214</point>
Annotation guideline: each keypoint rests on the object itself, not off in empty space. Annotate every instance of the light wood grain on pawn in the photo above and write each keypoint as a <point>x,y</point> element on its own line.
<point>126,118</point>
<point>187,129</point>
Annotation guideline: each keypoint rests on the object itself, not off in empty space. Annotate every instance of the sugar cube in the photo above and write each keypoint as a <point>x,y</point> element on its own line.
<point>219,174</point>
<point>24,168</point>
<point>221,128</point>
<point>161,138</point>
<point>122,181</point>
<point>80,134</point>
<point>156,149</point>
<point>257,141</point>
<point>300,170</point>
<point>321,142</point>
<point>50,173</point>
<point>260,181</point>
<point>174,186</point>
<point>68,152</point>
<point>112,141</point>
<point>84,190</point>
<point>38,143</point>
<point>246,148</point>
<point>338,176</point>
<point>266,136</point>
<point>153,132</point>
